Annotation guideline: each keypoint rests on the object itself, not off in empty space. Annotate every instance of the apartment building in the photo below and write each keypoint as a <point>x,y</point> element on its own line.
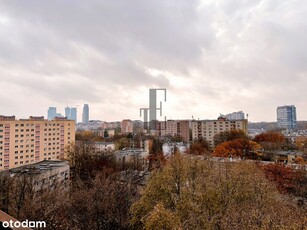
<point>286,117</point>
<point>126,126</point>
<point>27,141</point>
<point>207,129</point>
<point>175,127</point>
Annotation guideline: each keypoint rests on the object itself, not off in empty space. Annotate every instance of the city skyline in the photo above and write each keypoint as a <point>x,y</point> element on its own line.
<point>212,57</point>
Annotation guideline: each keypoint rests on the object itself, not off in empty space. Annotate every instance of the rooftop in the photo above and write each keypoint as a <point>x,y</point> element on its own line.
<point>37,168</point>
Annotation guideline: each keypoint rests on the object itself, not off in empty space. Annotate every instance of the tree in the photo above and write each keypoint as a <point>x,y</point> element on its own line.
<point>212,195</point>
<point>122,143</point>
<point>271,140</point>
<point>287,180</point>
<point>240,147</point>
<point>106,134</point>
<point>199,147</point>
<point>228,136</point>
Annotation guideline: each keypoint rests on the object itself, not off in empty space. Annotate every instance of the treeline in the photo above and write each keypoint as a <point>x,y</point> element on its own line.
<point>194,194</point>
<point>99,196</point>
<point>182,193</point>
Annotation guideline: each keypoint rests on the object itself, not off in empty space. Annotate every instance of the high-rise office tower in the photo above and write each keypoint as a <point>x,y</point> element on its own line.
<point>85,114</point>
<point>68,112</point>
<point>73,114</point>
<point>286,117</point>
<point>51,113</point>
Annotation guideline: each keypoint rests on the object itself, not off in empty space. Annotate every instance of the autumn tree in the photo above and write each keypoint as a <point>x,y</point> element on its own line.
<point>194,194</point>
<point>228,136</point>
<point>287,180</point>
<point>240,147</point>
<point>199,147</point>
<point>271,140</point>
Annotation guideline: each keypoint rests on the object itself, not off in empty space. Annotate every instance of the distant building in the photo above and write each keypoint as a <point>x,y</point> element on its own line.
<point>104,147</point>
<point>138,126</point>
<point>67,112</point>
<point>51,113</point>
<point>59,115</point>
<point>174,128</point>
<point>73,114</point>
<point>136,156</point>
<point>207,129</point>
<point>126,126</point>
<point>111,125</point>
<point>27,141</point>
<point>235,116</point>
<point>85,114</point>
<point>90,125</point>
<point>286,117</point>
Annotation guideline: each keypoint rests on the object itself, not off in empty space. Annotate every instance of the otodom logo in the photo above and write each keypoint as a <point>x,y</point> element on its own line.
<point>23,224</point>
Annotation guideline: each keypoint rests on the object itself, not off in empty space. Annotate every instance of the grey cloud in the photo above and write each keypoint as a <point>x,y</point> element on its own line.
<point>99,51</point>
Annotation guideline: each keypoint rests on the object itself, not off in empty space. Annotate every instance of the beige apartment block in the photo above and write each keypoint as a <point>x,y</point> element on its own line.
<point>207,129</point>
<point>27,141</point>
<point>175,127</point>
<point>126,126</point>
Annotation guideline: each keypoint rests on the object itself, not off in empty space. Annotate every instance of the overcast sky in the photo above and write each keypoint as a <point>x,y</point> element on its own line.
<point>212,56</point>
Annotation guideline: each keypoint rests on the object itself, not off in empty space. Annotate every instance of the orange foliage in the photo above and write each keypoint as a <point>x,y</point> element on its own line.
<point>283,176</point>
<point>271,140</point>
<point>237,148</point>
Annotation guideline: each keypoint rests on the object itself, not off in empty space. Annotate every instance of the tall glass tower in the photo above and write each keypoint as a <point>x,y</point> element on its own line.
<point>68,113</point>
<point>73,114</point>
<point>85,114</point>
<point>51,113</point>
<point>286,117</point>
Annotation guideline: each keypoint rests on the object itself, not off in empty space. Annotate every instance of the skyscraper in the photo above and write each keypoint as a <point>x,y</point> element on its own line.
<point>68,112</point>
<point>73,114</point>
<point>286,117</point>
<point>51,113</point>
<point>85,114</point>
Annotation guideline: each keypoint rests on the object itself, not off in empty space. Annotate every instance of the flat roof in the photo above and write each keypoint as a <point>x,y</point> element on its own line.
<point>37,168</point>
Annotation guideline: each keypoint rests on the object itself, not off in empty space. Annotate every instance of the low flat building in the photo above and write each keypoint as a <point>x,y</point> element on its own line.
<point>44,174</point>
<point>136,156</point>
<point>169,148</point>
<point>104,146</point>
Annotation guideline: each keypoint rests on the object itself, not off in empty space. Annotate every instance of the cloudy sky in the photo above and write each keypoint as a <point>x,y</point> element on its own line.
<point>212,56</point>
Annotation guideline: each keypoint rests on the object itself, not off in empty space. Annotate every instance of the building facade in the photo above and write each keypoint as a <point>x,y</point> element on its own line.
<point>235,116</point>
<point>126,126</point>
<point>85,114</point>
<point>174,128</point>
<point>46,174</point>
<point>51,114</point>
<point>286,117</point>
<point>27,141</point>
<point>207,129</point>
<point>73,114</point>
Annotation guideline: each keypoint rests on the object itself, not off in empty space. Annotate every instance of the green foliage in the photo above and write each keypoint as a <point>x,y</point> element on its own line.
<point>121,143</point>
